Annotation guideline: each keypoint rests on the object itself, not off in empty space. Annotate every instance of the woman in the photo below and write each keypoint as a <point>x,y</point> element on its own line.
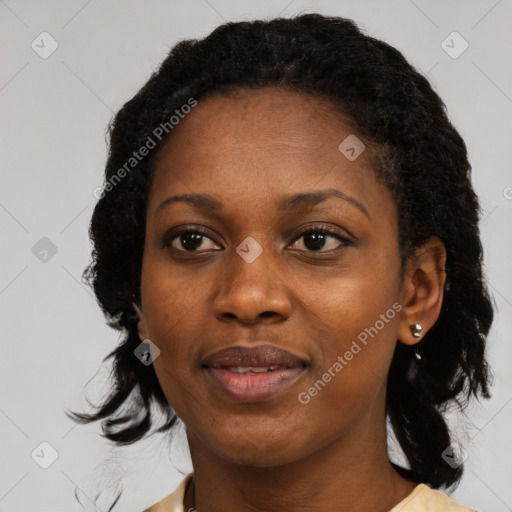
<point>288,238</point>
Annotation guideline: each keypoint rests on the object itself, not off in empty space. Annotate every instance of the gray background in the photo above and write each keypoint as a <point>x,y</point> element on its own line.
<point>54,115</point>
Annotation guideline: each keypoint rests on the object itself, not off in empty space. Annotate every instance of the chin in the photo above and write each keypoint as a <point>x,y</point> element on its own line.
<point>263,450</point>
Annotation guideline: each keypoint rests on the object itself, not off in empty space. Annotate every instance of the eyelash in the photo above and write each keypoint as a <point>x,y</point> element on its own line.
<point>324,230</point>
<point>320,229</point>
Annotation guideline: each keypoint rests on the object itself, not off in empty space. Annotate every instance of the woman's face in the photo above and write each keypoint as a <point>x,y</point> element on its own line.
<point>270,165</point>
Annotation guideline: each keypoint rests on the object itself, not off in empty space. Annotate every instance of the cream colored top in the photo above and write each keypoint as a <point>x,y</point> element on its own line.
<point>421,499</point>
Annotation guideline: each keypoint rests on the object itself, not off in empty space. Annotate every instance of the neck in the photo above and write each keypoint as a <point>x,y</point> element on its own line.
<point>353,472</point>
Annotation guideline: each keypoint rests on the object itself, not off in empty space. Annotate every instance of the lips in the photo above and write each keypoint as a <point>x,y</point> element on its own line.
<point>259,356</point>
<point>249,374</point>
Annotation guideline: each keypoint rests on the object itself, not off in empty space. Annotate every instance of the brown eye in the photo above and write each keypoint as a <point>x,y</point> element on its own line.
<point>316,239</point>
<point>190,240</point>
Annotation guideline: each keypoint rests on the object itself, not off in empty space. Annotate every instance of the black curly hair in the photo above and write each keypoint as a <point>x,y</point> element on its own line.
<point>422,160</point>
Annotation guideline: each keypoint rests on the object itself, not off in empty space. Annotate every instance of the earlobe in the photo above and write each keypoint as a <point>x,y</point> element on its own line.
<point>422,291</point>
<point>141,326</point>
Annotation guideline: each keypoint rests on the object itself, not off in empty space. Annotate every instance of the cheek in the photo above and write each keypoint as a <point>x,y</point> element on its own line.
<point>171,302</point>
<point>351,379</point>
<point>354,325</point>
<point>174,313</point>
<point>359,365</point>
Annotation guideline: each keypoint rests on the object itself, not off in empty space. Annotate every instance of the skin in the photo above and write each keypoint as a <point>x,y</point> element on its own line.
<point>248,149</point>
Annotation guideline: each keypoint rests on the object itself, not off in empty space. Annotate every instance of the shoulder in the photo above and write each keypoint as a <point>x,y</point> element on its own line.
<point>174,501</point>
<point>422,499</point>
<point>425,499</point>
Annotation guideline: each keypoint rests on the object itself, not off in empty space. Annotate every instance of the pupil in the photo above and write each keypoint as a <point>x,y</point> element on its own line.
<point>191,240</point>
<point>317,239</point>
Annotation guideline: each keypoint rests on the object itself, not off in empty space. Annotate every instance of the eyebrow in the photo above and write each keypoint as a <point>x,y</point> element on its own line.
<point>308,200</point>
<point>295,202</point>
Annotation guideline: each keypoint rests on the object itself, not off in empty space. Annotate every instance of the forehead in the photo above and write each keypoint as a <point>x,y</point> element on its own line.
<point>260,145</point>
<point>241,118</point>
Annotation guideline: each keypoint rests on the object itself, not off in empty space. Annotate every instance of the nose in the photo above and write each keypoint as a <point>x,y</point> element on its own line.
<point>252,292</point>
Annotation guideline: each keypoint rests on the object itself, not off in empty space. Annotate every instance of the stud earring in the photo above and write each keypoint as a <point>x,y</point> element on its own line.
<point>415,330</point>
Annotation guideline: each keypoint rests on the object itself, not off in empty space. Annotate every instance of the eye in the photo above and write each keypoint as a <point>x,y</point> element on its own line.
<point>320,237</point>
<point>316,239</point>
<point>189,240</point>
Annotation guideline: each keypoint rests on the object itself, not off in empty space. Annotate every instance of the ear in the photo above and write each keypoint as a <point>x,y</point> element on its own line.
<point>141,326</point>
<point>423,289</point>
